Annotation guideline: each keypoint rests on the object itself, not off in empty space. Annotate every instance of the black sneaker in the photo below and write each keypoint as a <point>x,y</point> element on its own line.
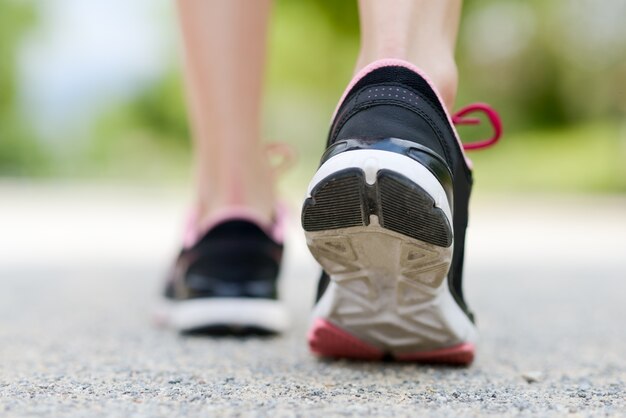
<point>224,281</point>
<point>385,216</point>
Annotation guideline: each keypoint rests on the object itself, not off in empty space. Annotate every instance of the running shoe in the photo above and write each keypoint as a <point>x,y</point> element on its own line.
<point>385,215</point>
<point>224,280</point>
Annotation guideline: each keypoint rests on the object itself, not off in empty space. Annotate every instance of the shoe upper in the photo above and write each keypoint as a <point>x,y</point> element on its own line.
<point>395,103</point>
<point>235,258</point>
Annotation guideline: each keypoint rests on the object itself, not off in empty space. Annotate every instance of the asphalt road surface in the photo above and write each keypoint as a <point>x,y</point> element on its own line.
<point>81,269</point>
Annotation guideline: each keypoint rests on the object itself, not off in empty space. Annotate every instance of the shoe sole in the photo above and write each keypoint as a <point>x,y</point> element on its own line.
<point>224,316</point>
<point>380,225</point>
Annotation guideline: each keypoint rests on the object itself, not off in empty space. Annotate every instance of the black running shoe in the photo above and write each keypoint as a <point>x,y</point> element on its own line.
<point>385,216</point>
<point>224,281</point>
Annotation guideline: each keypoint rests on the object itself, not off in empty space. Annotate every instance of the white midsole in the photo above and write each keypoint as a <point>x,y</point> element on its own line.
<point>202,312</point>
<point>371,161</point>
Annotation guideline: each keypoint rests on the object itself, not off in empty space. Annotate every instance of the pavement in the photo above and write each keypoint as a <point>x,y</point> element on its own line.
<point>81,268</point>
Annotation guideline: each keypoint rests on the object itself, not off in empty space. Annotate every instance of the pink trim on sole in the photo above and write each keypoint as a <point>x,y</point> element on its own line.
<point>276,230</point>
<point>462,354</point>
<point>328,340</point>
<point>394,62</point>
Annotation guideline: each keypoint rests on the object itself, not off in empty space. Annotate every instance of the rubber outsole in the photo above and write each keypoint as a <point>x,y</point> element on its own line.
<point>228,330</point>
<point>328,340</point>
<point>345,200</point>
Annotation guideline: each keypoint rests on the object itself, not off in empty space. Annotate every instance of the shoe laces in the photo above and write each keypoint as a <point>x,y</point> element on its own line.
<point>280,156</point>
<point>460,118</point>
<point>283,156</point>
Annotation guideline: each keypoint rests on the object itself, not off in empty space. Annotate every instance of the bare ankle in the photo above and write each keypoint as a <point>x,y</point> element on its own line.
<point>239,190</point>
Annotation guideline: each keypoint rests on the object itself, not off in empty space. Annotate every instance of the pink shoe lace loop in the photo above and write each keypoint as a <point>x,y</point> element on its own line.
<point>460,119</point>
<point>281,156</point>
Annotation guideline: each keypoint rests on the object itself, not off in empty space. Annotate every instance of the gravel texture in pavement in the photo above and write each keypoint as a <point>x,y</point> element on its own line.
<point>80,272</point>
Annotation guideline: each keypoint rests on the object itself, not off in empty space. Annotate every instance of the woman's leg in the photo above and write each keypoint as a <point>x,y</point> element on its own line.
<point>387,209</point>
<point>422,32</point>
<point>224,44</point>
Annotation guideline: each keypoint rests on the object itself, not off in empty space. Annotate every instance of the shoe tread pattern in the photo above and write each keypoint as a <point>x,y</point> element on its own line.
<point>385,281</point>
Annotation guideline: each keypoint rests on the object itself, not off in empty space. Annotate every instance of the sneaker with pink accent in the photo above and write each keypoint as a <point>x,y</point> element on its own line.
<point>385,216</point>
<point>224,280</point>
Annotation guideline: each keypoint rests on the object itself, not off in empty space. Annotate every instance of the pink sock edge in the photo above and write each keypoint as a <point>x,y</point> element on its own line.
<point>276,229</point>
<point>396,62</point>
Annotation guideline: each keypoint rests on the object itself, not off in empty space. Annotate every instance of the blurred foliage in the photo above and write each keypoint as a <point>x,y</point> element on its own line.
<point>147,137</point>
<point>160,109</point>
<point>569,158</point>
<point>545,64</point>
<point>20,153</point>
<point>555,72</point>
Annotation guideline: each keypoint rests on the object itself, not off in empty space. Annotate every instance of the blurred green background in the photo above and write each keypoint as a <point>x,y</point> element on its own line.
<point>555,70</point>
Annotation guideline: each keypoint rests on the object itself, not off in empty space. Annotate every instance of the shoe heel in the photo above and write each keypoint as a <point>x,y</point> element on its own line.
<point>336,202</point>
<point>380,227</point>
